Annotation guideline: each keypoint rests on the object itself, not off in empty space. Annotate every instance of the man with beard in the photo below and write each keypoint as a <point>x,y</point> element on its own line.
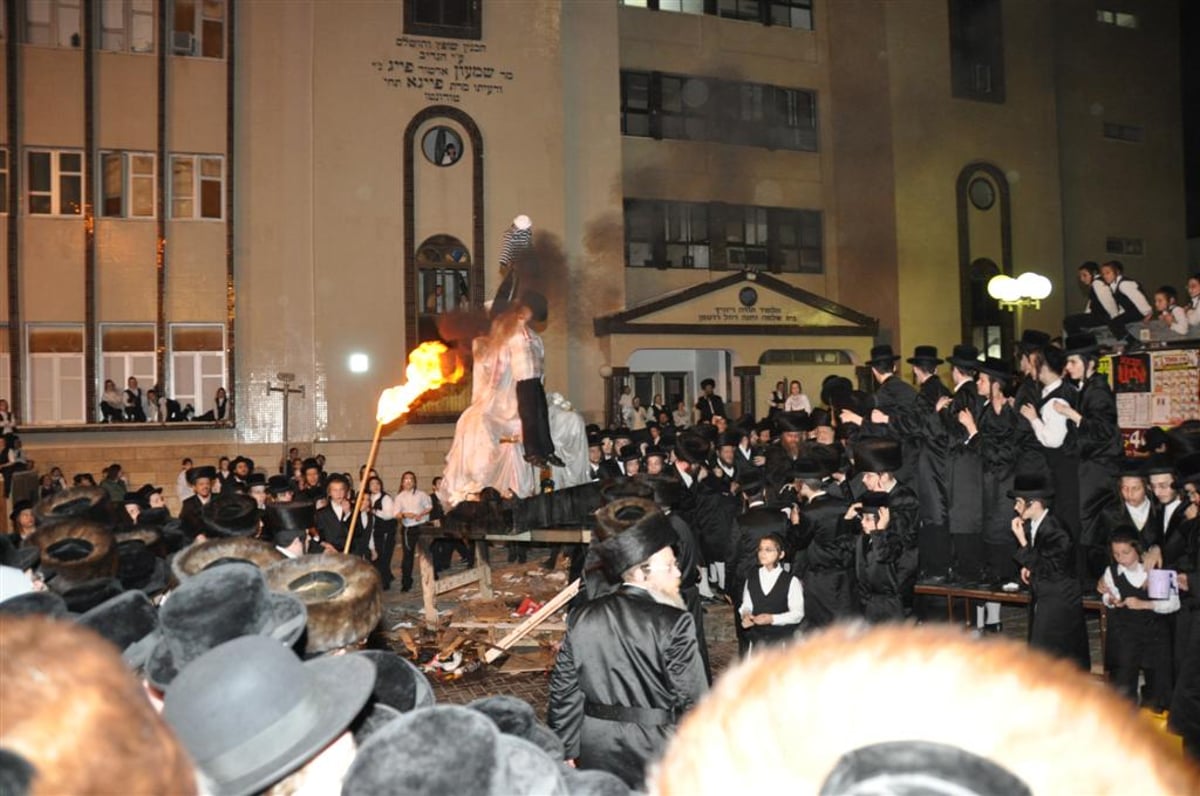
<point>629,666</point>
<point>793,426</point>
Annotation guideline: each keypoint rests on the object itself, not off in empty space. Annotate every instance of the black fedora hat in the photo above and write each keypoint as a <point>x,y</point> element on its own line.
<point>1081,344</point>
<point>129,620</point>
<point>204,471</point>
<point>217,605</point>
<point>691,448</point>
<point>278,484</point>
<point>808,469</point>
<point>629,453</point>
<point>613,489</point>
<point>249,712</point>
<point>1031,486</point>
<point>1188,466</point>
<point>731,438</point>
<point>925,355</point>
<point>18,507</point>
<point>636,543</point>
<point>882,355</point>
<point>877,455</point>
<point>149,535</point>
<point>230,515</point>
<point>297,515</point>
<point>1158,464</point>
<point>655,452</point>
<point>1032,340</point>
<point>139,568</point>
<point>242,460</point>
<point>793,422</point>
<point>995,369</point>
<point>964,357</point>
<point>667,491</point>
<point>398,683</point>
<point>22,558</point>
<point>343,595</point>
<point>200,557</point>
<point>256,479</point>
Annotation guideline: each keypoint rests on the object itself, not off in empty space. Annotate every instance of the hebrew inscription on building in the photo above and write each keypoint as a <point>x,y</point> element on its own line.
<point>442,71</point>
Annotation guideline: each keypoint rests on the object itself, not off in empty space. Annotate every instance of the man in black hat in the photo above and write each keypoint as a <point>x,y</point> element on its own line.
<point>710,404</point>
<point>1057,435</point>
<point>827,566</point>
<point>1047,559</point>
<point>191,511</point>
<point>964,466</point>
<point>887,556</point>
<point>781,458</point>
<point>615,705</point>
<point>755,522</point>
<point>333,519</point>
<point>894,398</point>
<point>996,424</point>
<point>925,362</point>
<point>528,357</point>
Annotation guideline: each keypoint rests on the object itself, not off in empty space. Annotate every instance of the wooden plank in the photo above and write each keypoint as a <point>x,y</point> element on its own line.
<point>542,614</point>
<point>428,590</point>
<point>545,536</point>
<point>458,580</point>
<point>549,627</point>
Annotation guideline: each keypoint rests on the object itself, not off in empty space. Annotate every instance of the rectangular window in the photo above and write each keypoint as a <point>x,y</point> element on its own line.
<point>197,364</point>
<point>1118,19</point>
<point>977,50</point>
<point>127,350</point>
<point>657,105</point>
<point>1123,132</point>
<point>748,10</point>
<point>53,23</point>
<point>127,26</point>
<point>128,184</point>
<point>55,182</point>
<point>792,14</point>
<point>198,28</point>
<point>197,186</point>
<point>663,234</point>
<point>3,180</point>
<point>451,19</point>
<point>1127,246</point>
<point>55,357</point>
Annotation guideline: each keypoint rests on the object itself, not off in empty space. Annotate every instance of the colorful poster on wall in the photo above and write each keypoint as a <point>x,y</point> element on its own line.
<point>1160,388</point>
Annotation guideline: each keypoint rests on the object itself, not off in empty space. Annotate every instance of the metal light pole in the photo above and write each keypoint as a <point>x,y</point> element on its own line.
<point>288,390</point>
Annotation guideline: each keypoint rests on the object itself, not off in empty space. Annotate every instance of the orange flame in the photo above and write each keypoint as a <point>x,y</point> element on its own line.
<point>425,372</point>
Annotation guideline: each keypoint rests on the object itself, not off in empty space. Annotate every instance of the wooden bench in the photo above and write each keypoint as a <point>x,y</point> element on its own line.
<point>969,594</point>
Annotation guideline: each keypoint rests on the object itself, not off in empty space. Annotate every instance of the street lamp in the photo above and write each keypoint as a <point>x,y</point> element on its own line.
<point>1027,290</point>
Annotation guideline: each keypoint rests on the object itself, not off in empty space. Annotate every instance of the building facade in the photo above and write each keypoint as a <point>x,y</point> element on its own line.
<point>211,193</point>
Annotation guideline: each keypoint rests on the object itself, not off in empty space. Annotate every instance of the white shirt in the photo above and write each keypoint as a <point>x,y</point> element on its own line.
<point>1034,525</point>
<point>1179,319</point>
<point>767,578</point>
<point>1169,511</point>
<point>1133,293</point>
<point>1053,429</point>
<point>1139,514</point>
<point>797,403</point>
<point>414,502</point>
<point>1137,575</point>
<point>1193,312</point>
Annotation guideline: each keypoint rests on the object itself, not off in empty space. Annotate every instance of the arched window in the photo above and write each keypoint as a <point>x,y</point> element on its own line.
<point>984,251</point>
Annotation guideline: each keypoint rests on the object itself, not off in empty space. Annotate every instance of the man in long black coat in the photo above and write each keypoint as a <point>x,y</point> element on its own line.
<point>629,666</point>
<point>190,512</point>
<point>827,569</point>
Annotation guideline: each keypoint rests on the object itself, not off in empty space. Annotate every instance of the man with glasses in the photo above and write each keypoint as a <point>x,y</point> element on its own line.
<point>630,665</point>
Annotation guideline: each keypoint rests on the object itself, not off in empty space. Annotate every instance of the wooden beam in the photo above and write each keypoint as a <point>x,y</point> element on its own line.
<point>542,614</point>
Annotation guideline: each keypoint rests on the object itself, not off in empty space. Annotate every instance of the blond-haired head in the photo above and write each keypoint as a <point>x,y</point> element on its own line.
<point>788,716</point>
<point>75,713</point>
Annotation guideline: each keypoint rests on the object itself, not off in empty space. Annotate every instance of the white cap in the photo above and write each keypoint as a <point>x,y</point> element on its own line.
<point>522,222</point>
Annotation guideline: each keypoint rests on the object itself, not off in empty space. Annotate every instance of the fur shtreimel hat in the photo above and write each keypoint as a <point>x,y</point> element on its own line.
<point>615,517</point>
<point>516,717</point>
<point>342,593</point>
<point>34,603</point>
<point>877,455</point>
<point>636,543</point>
<point>213,552</point>
<point>411,755</point>
<point>215,606</point>
<point>230,515</point>
<point>83,597</point>
<point>249,712</point>
<point>139,568</point>
<point>75,551</point>
<point>75,503</point>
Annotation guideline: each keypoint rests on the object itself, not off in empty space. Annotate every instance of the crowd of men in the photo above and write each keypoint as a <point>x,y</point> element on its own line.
<point>1001,477</point>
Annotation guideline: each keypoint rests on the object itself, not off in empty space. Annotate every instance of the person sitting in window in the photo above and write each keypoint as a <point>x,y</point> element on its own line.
<point>450,155</point>
<point>221,404</point>
<point>8,421</point>
<point>797,401</point>
<point>681,417</point>
<point>112,403</point>
<point>135,410</point>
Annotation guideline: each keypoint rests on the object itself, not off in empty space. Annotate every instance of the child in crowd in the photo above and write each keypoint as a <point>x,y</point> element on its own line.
<point>1139,632</point>
<point>772,599</point>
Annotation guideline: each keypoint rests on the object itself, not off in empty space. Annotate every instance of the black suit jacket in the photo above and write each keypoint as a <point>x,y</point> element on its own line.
<point>624,650</point>
<point>333,530</point>
<point>190,516</point>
